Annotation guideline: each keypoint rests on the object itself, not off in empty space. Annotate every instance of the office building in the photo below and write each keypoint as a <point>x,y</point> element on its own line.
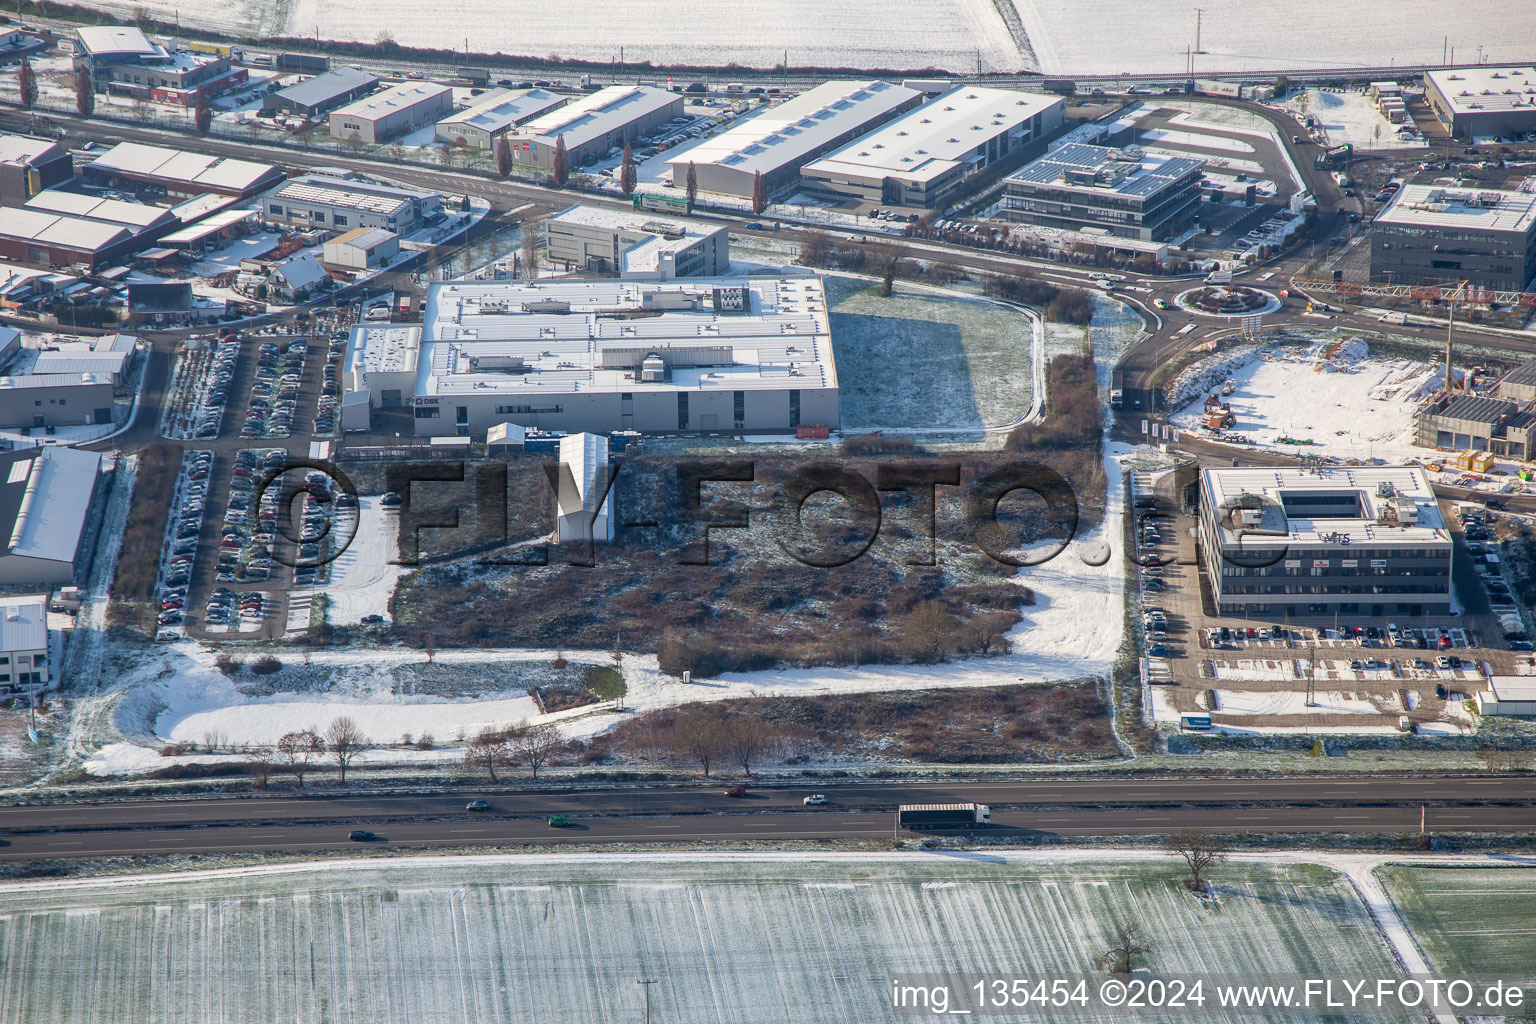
<point>729,354</point>
<point>926,157</point>
<point>342,204</point>
<point>636,244</point>
<point>123,61</point>
<point>391,112</point>
<point>1298,543</point>
<point>1427,234</point>
<point>592,125</point>
<point>24,660</point>
<point>781,140</point>
<point>1482,100</point>
<point>1123,192</point>
<point>482,125</point>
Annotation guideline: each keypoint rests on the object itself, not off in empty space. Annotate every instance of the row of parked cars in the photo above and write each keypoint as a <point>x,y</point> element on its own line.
<point>183,529</point>
<point>214,388</point>
<point>245,546</point>
<point>227,608</point>
<point>275,394</point>
<point>322,528</point>
<point>328,410</point>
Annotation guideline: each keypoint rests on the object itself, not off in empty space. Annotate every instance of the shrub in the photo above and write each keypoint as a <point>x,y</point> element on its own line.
<point>266,665</point>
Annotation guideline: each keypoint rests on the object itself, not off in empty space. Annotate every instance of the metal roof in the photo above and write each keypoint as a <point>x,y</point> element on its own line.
<point>207,226</point>
<point>1478,409</point>
<point>364,238</point>
<point>44,496</point>
<point>77,363</point>
<point>594,116</point>
<point>105,39</point>
<point>24,149</point>
<point>137,216</point>
<point>60,230</point>
<point>391,100</point>
<point>317,91</point>
<point>506,110</point>
<point>799,128</point>
<point>181,166</point>
<point>1127,172</point>
<point>929,141</point>
<point>301,271</point>
<point>24,623</point>
<point>354,195</point>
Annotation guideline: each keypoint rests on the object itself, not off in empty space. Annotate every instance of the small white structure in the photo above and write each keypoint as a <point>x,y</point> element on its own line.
<point>362,249</point>
<point>582,498</point>
<point>1508,695</point>
<point>506,439</point>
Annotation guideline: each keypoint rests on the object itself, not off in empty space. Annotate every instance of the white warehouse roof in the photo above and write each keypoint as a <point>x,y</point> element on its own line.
<point>594,116</point>
<point>505,110</point>
<point>798,127</point>
<point>105,39</point>
<point>24,623</point>
<point>44,496</point>
<point>182,166</point>
<point>1485,209</point>
<point>389,101</point>
<point>928,142</point>
<point>1484,90</point>
<point>1363,522</point>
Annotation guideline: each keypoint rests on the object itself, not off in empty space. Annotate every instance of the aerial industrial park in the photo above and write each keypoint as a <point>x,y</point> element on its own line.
<point>775,519</point>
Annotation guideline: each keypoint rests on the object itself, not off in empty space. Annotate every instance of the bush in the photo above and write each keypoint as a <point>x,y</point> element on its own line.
<point>228,663</point>
<point>178,748</point>
<point>266,665</point>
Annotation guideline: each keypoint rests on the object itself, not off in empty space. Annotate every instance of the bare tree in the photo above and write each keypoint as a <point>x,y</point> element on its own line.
<point>259,765</point>
<point>699,736</point>
<point>530,251</point>
<point>1200,851</point>
<point>486,751</point>
<point>1127,950</point>
<point>749,738</point>
<point>345,740</point>
<point>26,81</point>
<point>987,631</point>
<point>534,746</point>
<point>814,249</point>
<point>299,751</point>
<point>927,631</point>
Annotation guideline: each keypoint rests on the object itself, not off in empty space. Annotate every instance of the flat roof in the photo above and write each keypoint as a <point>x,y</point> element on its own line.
<point>384,348</point>
<point>782,341</point>
<point>1478,409</point>
<point>76,363</point>
<point>22,149</point>
<point>28,630</point>
<point>1513,688</point>
<point>1525,373</point>
<point>1128,172</point>
<point>1481,209</point>
<point>364,238</point>
<point>104,39</point>
<point>336,82</point>
<point>1483,90</point>
<point>661,234</point>
<point>799,127</point>
<point>45,494</point>
<point>344,192</point>
<point>181,166</point>
<point>932,140</point>
<point>59,229</point>
<point>395,98</point>
<point>506,110</point>
<point>208,225</point>
<point>594,116</point>
<point>1375,488</point>
<point>137,216</point>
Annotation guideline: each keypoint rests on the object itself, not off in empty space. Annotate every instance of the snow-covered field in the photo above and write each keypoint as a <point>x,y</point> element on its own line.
<point>737,938</point>
<point>1075,38</point>
<point>1348,403</point>
<point>1063,37</point>
<point>364,576</point>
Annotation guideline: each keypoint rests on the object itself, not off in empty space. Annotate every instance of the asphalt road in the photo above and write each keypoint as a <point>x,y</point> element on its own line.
<point>1076,808</point>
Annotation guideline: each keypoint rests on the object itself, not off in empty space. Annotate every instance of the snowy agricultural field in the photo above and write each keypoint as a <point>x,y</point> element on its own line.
<point>1351,117</point>
<point>926,361</point>
<point>729,938</point>
<point>1334,393</point>
<point>1468,919</point>
<point>1075,38</point>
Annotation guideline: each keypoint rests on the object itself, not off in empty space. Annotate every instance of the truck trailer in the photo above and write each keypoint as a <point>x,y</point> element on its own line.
<point>925,816</point>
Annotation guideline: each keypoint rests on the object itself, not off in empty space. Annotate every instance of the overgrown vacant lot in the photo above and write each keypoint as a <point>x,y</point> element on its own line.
<point>754,604</point>
<point>744,939</point>
<point>1469,920</point>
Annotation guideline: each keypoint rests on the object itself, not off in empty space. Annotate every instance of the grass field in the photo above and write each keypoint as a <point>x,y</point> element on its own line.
<point>743,938</point>
<point>1469,920</point>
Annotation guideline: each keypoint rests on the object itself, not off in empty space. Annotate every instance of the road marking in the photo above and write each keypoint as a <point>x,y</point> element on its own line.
<point>465,831</point>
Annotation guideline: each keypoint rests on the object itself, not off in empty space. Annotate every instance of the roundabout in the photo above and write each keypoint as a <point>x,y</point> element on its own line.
<point>1227,300</point>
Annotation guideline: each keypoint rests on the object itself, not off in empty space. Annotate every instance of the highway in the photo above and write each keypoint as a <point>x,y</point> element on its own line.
<point>1088,807</point>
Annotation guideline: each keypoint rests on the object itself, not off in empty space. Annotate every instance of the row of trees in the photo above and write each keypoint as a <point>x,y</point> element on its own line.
<point>707,736</point>
<point>302,751</point>
<point>85,96</point>
<point>532,746</point>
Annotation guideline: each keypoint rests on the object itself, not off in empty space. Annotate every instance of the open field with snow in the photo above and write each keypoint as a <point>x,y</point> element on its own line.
<point>1352,405</point>
<point>1350,117</point>
<point>738,938</point>
<point>1468,920</point>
